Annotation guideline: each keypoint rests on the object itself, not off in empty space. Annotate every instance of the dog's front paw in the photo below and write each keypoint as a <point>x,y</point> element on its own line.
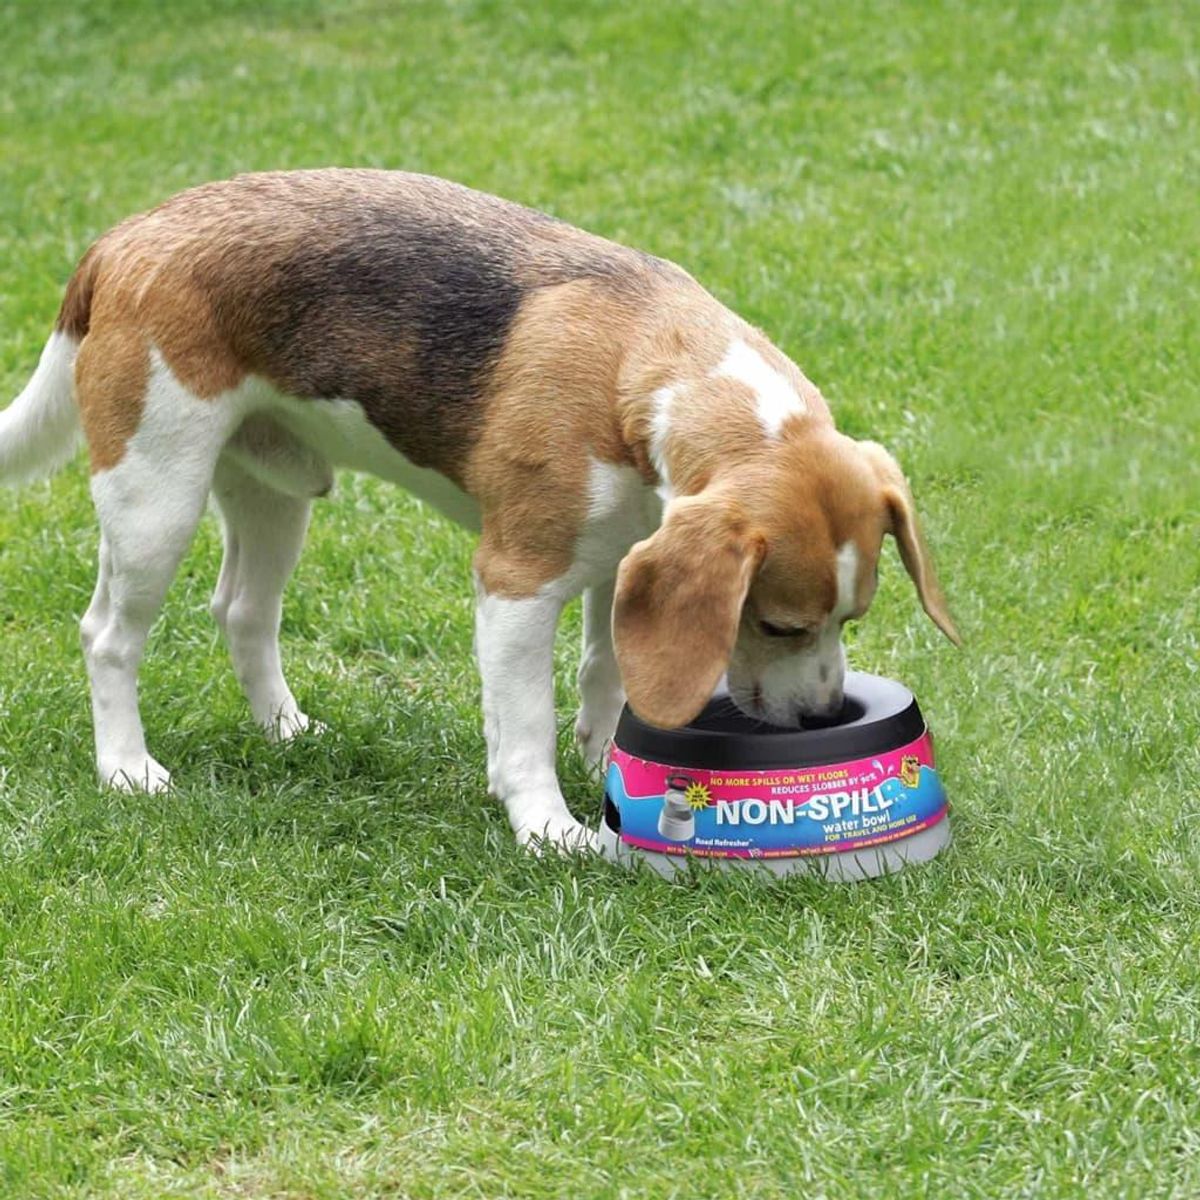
<point>290,724</point>
<point>543,824</point>
<point>593,744</point>
<point>139,775</point>
<point>567,837</point>
<point>594,732</point>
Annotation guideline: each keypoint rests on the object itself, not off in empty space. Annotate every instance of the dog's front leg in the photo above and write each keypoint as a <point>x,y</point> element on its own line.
<point>514,642</point>
<point>601,696</point>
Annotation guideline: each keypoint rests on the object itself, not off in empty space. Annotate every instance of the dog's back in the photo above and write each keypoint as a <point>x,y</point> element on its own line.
<point>394,290</point>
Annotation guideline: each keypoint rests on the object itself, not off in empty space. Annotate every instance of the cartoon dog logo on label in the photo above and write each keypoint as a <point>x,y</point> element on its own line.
<point>910,770</point>
<point>684,795</point>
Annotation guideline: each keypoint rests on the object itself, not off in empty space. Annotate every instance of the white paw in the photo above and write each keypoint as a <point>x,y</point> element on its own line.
<point>560,834</point>
<point>289,725</point>
<point>139,775</point>
<point>594,737</point>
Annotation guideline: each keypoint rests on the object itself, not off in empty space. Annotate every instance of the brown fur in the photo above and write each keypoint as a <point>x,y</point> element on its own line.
<point>759,542</point>
<point>75,314</point>
<point>905,527</point>
<point>552,409</point>
<point>718,425</point>
<point>576,382</point>
<point>111,371</point>
<point>678,605</point>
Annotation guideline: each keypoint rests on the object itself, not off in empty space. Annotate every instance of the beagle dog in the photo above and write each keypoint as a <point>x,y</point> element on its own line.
<point>606,425</point>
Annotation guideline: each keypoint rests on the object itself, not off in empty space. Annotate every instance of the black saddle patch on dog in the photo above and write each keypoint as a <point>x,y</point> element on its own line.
<point>396,291</point>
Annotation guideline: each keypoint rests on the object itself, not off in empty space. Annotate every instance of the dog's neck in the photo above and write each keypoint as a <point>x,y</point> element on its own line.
<point>705,399</point>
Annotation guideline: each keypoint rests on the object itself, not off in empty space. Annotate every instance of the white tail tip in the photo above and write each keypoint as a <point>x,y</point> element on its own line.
<point>39,431</point>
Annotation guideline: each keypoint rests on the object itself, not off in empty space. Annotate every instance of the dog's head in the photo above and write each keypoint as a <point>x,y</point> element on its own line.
<point>756,575</point>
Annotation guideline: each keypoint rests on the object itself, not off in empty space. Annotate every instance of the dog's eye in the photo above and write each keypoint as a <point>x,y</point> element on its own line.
<point>783,631</point>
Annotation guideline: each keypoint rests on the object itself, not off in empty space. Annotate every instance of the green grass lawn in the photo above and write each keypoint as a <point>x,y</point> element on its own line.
<point>327,971</point>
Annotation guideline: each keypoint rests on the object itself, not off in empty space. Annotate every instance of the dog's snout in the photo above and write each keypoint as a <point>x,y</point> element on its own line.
<point>826,709</point>
<point>825,706</point>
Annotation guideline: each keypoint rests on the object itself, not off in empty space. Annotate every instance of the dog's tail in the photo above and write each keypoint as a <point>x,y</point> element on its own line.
<point>39,430</point>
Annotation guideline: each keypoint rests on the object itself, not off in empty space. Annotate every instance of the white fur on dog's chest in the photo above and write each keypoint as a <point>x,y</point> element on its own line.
<point>622,509</point>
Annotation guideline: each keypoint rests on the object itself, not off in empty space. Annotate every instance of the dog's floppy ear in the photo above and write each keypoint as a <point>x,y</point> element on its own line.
<point>678,603</point>
<point>906,529</point>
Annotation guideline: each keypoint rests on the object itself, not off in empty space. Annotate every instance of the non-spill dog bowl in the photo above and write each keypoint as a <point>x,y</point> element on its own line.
<point>850,799</point>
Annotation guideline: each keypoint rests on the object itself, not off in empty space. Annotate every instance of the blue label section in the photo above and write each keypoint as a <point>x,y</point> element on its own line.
<point>825,823</point>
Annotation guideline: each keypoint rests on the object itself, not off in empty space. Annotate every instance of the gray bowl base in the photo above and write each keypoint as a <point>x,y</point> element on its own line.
<point>846,867</point>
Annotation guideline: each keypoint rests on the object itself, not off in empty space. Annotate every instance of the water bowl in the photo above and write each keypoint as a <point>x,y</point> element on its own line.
<point>849,799</point>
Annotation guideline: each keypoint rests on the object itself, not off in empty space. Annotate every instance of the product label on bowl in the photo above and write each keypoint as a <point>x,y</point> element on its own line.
<point>780,813</point>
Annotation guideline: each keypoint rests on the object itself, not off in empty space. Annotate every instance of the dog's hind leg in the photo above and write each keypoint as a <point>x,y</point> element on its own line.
<point>150,483</point>
<point>264,533</point>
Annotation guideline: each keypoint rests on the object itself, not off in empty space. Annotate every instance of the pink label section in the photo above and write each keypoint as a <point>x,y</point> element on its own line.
<point>777,813</point>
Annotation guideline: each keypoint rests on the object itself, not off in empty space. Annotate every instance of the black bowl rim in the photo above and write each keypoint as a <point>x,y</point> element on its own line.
<point>890,718</point>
